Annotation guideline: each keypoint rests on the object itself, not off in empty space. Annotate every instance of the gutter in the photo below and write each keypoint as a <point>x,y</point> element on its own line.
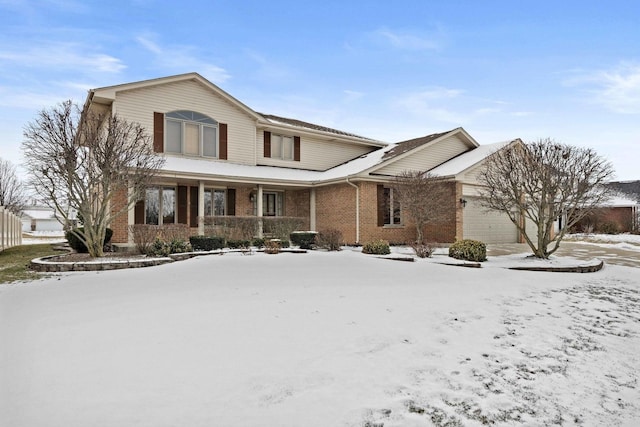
<point>357,208</point>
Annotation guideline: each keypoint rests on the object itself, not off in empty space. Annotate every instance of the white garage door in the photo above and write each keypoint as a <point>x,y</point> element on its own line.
<point>488,227</point>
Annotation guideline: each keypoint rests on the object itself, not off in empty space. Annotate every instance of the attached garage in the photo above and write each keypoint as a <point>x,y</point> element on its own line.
<point>486,226</point>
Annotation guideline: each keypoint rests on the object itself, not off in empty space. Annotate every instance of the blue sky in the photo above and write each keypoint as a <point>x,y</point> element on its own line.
<point>569,70</point>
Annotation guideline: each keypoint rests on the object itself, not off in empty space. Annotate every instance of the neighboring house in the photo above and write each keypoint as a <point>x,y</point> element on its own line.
<point>40,218</point>
<point>223,158</point>
<point>618,215</point>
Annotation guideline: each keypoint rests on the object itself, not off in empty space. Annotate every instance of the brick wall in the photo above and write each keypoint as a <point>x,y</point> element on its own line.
<point>336,208</point>
<point>296,204</point>
<point>119,224</point>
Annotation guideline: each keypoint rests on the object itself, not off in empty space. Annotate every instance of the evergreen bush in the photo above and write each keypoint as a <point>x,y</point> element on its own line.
<point>377,247</point>
<point>469,250</point>
<point>206,243</point>
<point>76,244</point>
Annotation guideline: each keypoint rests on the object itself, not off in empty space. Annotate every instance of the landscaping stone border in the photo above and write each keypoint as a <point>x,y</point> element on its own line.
<point>577,269</point>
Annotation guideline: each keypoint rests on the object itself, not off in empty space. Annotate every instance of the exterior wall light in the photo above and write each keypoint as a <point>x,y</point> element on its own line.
<point>463,202</point>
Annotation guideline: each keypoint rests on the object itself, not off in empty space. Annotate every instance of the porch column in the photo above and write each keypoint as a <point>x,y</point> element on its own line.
<point>201,208</point>
<point>259,210</point>
<point>312,210</point>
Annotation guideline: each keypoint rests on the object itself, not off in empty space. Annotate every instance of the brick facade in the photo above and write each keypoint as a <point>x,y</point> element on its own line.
<point>119,224</point>
<point>336,209</point>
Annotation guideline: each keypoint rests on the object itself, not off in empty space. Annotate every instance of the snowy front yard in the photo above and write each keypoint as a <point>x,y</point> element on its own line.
<point>321,339</point>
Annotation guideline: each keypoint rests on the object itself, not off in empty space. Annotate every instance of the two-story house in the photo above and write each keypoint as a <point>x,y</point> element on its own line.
<point>223,158</point>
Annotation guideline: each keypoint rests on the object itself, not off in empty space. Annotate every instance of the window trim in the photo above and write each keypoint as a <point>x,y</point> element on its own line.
<point>184,117</point>
<point>391,212</point>
<point>160,190</point>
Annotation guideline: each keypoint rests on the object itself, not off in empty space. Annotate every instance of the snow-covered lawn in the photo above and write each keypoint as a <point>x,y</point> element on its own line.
<point>321,339</point>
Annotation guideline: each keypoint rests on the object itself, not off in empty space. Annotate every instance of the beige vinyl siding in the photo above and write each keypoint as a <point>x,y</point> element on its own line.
<point>139,105</point>
<point>315,153</point>
<point>487,226</point>
<point>427,157</point>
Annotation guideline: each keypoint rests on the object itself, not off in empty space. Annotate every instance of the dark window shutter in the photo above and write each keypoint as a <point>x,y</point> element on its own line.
<point>193,207</point>
<point>296,148</point>
<point>267,144</point>
<point>139,212</point>
<point>158,132</point>
<point>381,204</point>
<point>182,204</point>
<point>231,201</point>
<point>222,129</point>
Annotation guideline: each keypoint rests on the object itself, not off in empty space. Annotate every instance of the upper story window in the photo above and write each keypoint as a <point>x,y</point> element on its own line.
<point>281,147</point>
<point>191,133</point>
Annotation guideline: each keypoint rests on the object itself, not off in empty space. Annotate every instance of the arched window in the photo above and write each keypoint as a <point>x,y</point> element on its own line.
<point>191,133</point>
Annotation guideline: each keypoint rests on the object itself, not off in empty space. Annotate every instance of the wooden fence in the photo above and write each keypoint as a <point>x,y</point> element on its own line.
<point>10,229</point>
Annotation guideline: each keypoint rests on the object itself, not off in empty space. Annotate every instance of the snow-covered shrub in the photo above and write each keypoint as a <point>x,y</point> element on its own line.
<point>469,250</point>
<point>330,239</point>
<point>206,243</point>
<point>377,247</point>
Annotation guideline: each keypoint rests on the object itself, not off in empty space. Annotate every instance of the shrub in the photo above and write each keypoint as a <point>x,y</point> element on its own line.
<point>281,227</point>
<point>329,239</point>
<point>232,227</point>
<point>608,227</point>
<point>377,247</point>
<point>238,243</point>
<point>175,232</point>
<point>469,250</point>
<point>423,250</point>
<point>77,245</point>
<point>206,243</point>
<point>304,239</point>
<point>143,236</point>
<point>272,246</point>
<point>258,242</point>
<point>164,248</point>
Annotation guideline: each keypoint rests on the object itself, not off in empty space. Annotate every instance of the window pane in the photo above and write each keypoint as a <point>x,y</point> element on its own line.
<point>191,139</point>
<point>209,141</point>
<point>152,206</point>
<point>269,204</point>
<point>174,137</point>
<point>208,203</point>
<point>287,148</point>
<point>387,206</point>
<point>276,146</point>
<point>168,205</point>
<point>218,198</point>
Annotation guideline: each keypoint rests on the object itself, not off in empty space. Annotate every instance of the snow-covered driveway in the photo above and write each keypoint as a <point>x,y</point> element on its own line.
<point>321,339</point>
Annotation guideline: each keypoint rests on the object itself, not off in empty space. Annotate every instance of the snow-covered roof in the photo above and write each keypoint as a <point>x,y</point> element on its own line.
<point>620,201</point>
<point>39,213</point>
<point>359,166</point>
<point>467,160</point>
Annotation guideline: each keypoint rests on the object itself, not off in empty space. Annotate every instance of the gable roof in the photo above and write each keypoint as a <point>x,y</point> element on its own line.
<point>468,160</point>
<point>404,146</point>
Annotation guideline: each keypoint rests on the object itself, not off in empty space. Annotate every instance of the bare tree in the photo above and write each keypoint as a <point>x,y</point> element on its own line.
<point>422,196</point>
<point>542,182</point>
<point>80,161</point>
<point>12,191</point>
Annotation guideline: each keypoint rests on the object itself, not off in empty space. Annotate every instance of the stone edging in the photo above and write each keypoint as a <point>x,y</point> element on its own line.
<point>577,269</point>
<point>44,266</point>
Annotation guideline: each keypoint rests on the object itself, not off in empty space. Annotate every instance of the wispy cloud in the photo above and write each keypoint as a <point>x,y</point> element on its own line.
<point>181,58</point>
<point>617,89</point>
<point>408,40</point>
<point>60,56</point>
<point>429,103</point>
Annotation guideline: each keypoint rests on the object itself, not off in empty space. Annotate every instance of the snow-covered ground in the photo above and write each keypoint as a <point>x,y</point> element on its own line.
<point>38,237</point>
<point>321,339</point>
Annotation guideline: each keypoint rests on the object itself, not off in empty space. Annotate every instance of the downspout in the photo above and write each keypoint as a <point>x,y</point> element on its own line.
<point>357,209</point>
